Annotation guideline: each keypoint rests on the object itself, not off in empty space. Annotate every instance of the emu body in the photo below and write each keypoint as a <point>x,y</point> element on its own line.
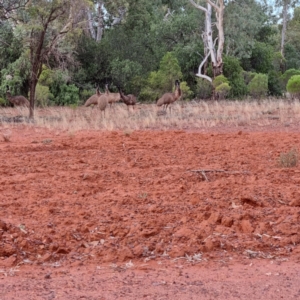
<point>128,99</point>
<point>16,100</point>
<point>112,97</point>
<point>166,99</point>
<point>93,99</point>
<point>102,101</point>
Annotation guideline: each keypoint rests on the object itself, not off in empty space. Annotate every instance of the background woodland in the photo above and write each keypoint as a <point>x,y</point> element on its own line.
<point>57,52</point>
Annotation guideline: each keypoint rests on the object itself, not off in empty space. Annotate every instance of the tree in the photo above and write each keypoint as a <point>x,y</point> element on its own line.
<point>244,23</point>
<point>215,56</point>
<point>286,5</point>
<point>45,25</point>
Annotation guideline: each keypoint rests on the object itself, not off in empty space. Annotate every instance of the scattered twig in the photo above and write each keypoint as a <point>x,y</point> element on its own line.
<point>203,171</point>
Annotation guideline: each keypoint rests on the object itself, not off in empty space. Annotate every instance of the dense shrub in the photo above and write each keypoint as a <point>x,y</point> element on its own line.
<point>223,90</point>
<point>258,86</point>
<point>293,85</point>
<point>248,76</point>
<point>262,58</point>
<point>219,80</point>
<point>68,94</point>
<point>42,95</point>
<point>2,102</point>
<point>274,85</point>
<point>203,89</point>
<point>233,71</point>
<point>285,77</point>
<point>221,86</point>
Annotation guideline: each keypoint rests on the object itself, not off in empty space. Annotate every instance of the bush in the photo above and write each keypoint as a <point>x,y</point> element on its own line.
<point>233,71</point>
<point>68,94</point>
<point>2,102</point>
<point>186,93</point>
<point>219,80</point>
<point>148,95</point>
<point>42,95</point>
<point>274,85</point>
<point>248,76</point>
<point>293,85</point>
<point>223,90</point>
<point>285,77</point>
<point>258,86</point>
<point>288,159</point>
<point>262,58</point>
<point>85,94</point>
<point>203,89</point>
<point>221,85</point>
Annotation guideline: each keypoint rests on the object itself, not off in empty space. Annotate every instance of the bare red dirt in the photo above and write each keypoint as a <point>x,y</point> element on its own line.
<point>157,214</point>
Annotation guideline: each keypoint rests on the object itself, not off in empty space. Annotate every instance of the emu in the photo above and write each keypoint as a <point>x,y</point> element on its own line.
<point>16,100</point>
<point>166,99</point>
<point>102,100</point>
<point>93,99</point>
<point>112,97</point>
<point>127,99</point>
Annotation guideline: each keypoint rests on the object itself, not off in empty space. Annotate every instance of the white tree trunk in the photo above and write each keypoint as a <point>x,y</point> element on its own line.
<point>215,56</point>
<point>90,24</point>
<point>284,21</point>
<point>100,27</point>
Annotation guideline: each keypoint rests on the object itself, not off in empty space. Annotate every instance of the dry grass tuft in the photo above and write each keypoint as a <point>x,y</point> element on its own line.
<point>7,135</point>
<point>289,159</point>
<point>182,115</point>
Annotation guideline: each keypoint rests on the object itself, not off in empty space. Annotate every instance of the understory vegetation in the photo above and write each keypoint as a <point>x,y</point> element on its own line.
<point>143,47</point>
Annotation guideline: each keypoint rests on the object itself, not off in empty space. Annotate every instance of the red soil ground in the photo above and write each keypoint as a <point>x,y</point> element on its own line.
<point>109,215</point>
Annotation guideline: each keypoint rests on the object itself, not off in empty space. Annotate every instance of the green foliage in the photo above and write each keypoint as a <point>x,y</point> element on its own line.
<point>163,80</point>
<point>221,85</point>
<point>68,94</point>
<point>186,92</point>
<point>243,23</point>
<point>285,77</point>
<point>42,95</point>
<point>10,45</point>
<point>292,57</point>
<point>219,80</point>
<point>262,58</point>
<point>2,102</point>
<point>248,76</point>
<point>85,94</point>
<point>258,86</point>
<point>223,90</point>
<point>293,85</point>
<point>203,89</point>
<point>46,77</point>
<point>123,70</point>
<point>274,85</point>
<point>16,75</point>
<point>148,95</point>
<point>233,71</point>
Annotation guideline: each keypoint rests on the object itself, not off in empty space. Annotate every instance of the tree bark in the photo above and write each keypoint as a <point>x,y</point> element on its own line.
<point>100,27</point>
<point>284,21</point>
<point>215,56</point>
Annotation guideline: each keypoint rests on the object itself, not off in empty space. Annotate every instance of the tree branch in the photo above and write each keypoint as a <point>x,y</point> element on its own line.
<point>216,7</point>
<point>198,6</point>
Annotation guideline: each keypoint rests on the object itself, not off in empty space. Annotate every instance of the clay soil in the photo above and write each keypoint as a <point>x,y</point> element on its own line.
<point>149,214</point>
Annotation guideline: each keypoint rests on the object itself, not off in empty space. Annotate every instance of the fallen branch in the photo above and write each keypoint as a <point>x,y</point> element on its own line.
<point>203,171</point>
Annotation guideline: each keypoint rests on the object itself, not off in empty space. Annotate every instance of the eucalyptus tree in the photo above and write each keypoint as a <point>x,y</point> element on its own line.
<point>286,5</point>
<point>244,23</point>
<point>8,7</point>
<point>44,25</point>
<point>214,54</point>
